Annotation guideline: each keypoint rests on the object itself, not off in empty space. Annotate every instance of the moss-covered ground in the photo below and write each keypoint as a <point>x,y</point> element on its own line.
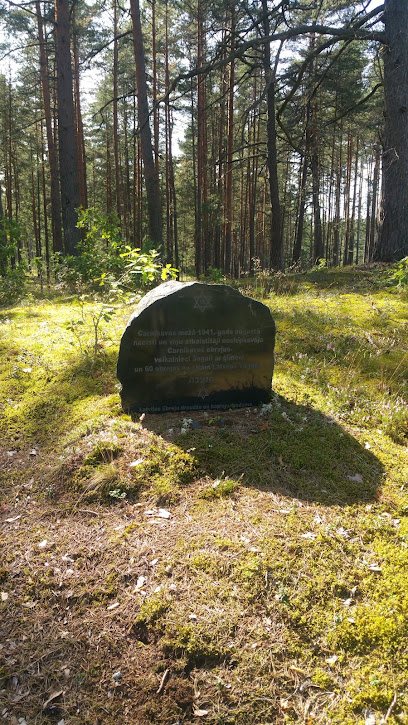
<point>250,567</point>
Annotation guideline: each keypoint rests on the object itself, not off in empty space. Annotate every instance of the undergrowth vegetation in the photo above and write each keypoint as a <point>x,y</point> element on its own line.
<point>250,568</point>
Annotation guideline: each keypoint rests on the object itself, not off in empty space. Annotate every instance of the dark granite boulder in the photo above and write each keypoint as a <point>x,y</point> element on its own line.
<point>193,346</point>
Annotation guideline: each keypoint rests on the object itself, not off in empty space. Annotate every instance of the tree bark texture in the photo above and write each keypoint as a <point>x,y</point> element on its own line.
<point>66,130</point>
<point>80,139</point>
<point>115,112</point>
<point>52,149</point>
<point>150,175</point>
<point>276,249</point>
<point>229,165</point>
<point>393,234</point>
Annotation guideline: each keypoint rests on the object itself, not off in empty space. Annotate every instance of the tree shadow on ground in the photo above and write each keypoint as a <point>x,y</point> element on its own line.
<point>292,449</point>
<point>56,403</point>
<point>288,448</point>
<point>354,279</point>
<point>16,314</point>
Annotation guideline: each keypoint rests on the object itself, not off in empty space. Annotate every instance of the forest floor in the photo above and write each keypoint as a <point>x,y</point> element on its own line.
<point>251,568</point>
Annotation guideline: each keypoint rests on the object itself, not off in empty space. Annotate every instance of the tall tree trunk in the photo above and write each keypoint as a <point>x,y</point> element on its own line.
<point>229,164</point>
<point>127,195</point>
<point>173,200</point>
<point>201,261</point>
<point>318,246</point>
<point>80,139</point>
<point>368,208</point>
<point>197,207</point>
<point>52,149</point>
<point>297,247</point>
<point>155,106</point>
<point>253,192</point>
<point>135,165</point>
<point>66,130</point>
<point>373,238</point>
<point>353,208</point>
<point>8,156</point>
<point>108,172</point>
<point>329,236</point>
<point>115,112</point>
<point>44,193</point>
<point>150,175</point>
<point>360,200</point>
<point>34,212</point>
<point>3,239</point>
<point>276,248</point>
<point>336,221</point>
<point>219,256</point>
<point>347,193</point>
<point>393,234</point>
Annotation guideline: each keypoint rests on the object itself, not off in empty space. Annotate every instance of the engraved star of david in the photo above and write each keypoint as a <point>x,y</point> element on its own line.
<point>202,393</point>
<point>202,302</point>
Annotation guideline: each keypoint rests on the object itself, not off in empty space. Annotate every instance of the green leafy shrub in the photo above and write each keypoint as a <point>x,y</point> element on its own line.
<point>104,263</point>
<point>12,285</point>
<point>85,329</point>
<point>399,274</point>
<point>12,277</point>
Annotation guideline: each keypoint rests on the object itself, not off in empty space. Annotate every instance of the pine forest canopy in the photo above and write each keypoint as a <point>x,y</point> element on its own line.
<point>295,149</point>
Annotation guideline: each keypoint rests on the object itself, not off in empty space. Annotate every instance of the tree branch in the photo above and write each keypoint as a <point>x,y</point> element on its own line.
<point>349,32</point>
<point>356,105</point>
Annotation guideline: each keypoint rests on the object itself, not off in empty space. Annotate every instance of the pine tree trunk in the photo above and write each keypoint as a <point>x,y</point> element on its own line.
<point>66,130</point>
<point>297,247</point>
<point>115,113</point>
<point>135,166</point>
<point>368,207</point>
<point>108,172</point>
<point>219,257</point>
<point>44,193</point>
<point>229,164</point>
<point>347,191</point>
<point>150,175</point>
<point>169,226</point>
<point>373,238</point>
<point>201,221</point>
<point>318,247</point>
<point>276,248</point>
<point>336,222</point>
<point>126,210</point>
<point>3,239</point>
<point>52,149</point>
<point>393,234</point>
<point>155,107</point>
<point>80,139</point>
<point>360,201</point>
<point>353,209</point>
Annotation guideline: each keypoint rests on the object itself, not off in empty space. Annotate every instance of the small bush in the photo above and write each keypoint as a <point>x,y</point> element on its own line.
<point>12,285</point>
<point>104,263</point>
<point>399,274</point>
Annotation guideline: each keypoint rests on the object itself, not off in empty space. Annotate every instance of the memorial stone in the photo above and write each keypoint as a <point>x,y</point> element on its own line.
<point>194,346</point>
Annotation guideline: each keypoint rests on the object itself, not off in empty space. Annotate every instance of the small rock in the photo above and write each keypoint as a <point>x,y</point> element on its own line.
<point>195,424</point>
<point>357,478</point>
<point>140,583</point>
<point>137,462</point>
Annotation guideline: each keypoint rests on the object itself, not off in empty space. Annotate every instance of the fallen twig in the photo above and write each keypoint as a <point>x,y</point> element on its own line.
<point>163,681</point>
<point>390,709</point>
